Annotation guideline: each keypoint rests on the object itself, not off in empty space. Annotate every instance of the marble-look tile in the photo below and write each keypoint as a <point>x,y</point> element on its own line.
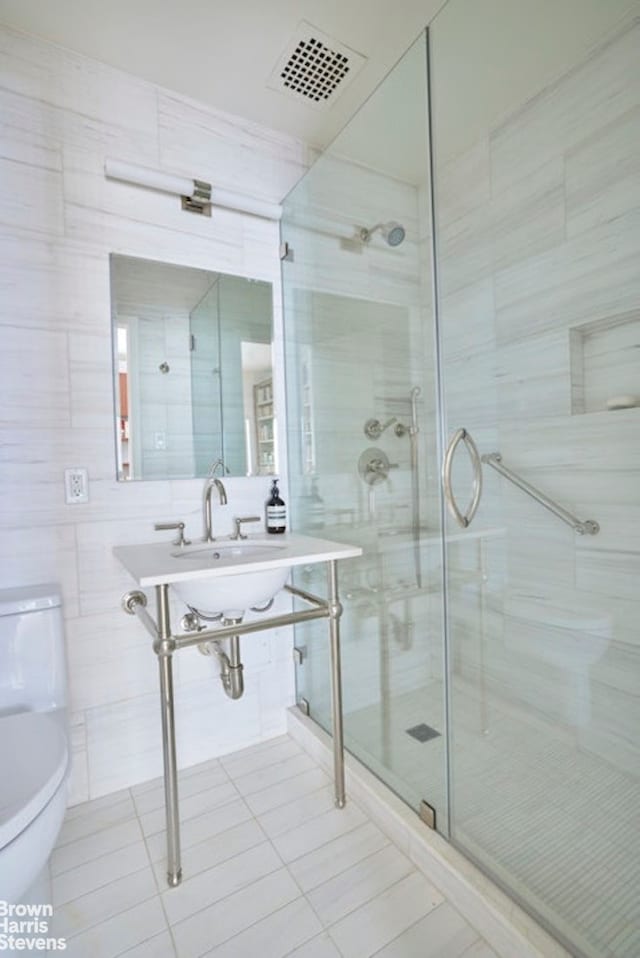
<point>252,759</point>
<point>209,852</point>
<point>319,830</point>
<point>276,774</point>
<point>115,935</point>
<point>214,925</point>
<point>370,927</point>
<point>440,934</point>
<point>119,808</point>
<point>292,814</point>
<point>220,881</point>
<point>88,877</point>
<point>359,884</point>
<point>320,947</point>
<point>283,792</point>
<point>83,913</point>
<point>160,946</point>
<point>92,846</point>
<point>588,97</point>
<point>201,829</point>
<point>275,935</point>
<point>32,197</point>
<point>602,174</point>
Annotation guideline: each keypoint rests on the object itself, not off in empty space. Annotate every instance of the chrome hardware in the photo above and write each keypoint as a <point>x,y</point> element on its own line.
<point>165,645</point>
<point>209,484</point>
<point>200,199</point>
<point>262,608</point>
<point>401,430</point>
<point>217,463</point>
<point>374,466</point>
<point>180,541</point>
<point>427,814</point>
<point>239,520</point>
<point>299,654</point>
<point>463,519</point>
<point>191,622</point>
<point>373,428</point>
<point>286,252</point>
<point>303,705</point>
<point>164,368</point>
<point>584,527</point>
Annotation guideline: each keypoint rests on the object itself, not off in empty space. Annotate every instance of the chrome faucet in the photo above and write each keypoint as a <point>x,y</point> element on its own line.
<point>209,483</point>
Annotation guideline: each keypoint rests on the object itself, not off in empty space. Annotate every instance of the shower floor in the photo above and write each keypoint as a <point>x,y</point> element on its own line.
<point>556,824</point>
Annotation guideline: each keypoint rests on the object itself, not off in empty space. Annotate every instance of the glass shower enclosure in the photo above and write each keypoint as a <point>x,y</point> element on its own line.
<point>463,372</point>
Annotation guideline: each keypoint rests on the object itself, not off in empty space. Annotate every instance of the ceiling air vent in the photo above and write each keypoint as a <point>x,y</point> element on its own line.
<point>315,67</point>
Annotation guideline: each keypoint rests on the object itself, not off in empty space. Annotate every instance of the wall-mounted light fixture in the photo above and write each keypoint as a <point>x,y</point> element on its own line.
<point>197,196</point>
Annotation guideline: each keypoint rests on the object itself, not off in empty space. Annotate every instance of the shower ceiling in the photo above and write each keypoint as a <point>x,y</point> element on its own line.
<point>223,53</point>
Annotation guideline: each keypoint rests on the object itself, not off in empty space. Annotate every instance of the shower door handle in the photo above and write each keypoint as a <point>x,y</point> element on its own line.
<point>463,519</point>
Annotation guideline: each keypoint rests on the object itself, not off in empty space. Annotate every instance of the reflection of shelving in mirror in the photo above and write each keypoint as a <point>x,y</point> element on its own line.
<point>264,420</point>
<point>123,396</point>
<point>306,415</point>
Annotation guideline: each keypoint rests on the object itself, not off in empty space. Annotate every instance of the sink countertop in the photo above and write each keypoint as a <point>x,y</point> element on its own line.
<point>155,564</point>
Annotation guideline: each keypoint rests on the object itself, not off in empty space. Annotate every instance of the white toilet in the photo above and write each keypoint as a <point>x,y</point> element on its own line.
<point>34,747</point>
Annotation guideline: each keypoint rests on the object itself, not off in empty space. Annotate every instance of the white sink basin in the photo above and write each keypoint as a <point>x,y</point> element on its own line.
<point>240,590</point>
<point>227,575</point>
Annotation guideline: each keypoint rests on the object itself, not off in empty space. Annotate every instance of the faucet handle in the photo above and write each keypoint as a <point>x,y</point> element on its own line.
<point>238,523</point>
<point>180,541</point>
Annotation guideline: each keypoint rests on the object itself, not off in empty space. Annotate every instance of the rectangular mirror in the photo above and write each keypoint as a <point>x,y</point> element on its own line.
<point>193,371</point>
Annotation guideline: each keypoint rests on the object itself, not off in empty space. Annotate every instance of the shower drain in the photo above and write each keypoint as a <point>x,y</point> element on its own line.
<point>422,732</point>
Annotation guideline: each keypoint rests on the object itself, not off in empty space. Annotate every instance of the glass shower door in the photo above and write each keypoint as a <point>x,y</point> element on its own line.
<point>537,238</point>
<point>362,439</point>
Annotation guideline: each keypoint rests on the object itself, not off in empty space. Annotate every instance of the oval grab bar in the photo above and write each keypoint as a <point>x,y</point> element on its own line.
<point>463,519</point>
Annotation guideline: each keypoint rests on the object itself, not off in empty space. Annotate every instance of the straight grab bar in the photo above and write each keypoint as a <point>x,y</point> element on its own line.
<point>586,527</point>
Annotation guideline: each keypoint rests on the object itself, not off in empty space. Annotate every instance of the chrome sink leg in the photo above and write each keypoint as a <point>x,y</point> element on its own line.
<point>164,648</point>
<point>335,611</point>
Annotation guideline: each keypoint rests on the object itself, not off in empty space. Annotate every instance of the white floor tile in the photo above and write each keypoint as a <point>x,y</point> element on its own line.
<point>320,947</point>
<point>219,882</point>
<point>188,785</point>
<point>372,926</point>
<point>443,933</point>
<point>93,846</point>
<point>303,839</point>
<point>212,851</point>
<point>285,817</point>
<point>211,927</point>
<point>97,906</point>
<point>480,949</point>
<point>190,807</point>
<point>337,856</point>
<point>274,936</point>
<point>161,946</point>
<point>115,936</point>
<point>274,774</point>
<point>201,827</point>
<point>259,756</point>
<point>103,816</point>
<point>359,884</point>
<point>284,792</point>
<point>98,873</point>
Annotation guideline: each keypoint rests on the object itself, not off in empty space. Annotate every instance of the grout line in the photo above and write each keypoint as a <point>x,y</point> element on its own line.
<point>117,914</point>
<point>360,862</point>
<point>91,861</point>
<point>413,924</point>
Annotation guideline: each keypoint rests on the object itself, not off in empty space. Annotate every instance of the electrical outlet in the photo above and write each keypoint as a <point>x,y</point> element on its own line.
<point>76,486</point>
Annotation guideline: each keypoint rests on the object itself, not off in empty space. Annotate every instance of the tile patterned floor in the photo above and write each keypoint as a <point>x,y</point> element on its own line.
<point>271,869</point>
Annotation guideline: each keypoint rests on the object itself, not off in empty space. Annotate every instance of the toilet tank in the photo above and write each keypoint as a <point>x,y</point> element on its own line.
<point>32,659</point>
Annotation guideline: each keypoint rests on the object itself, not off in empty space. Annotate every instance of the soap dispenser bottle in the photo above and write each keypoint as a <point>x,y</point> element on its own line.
<point>276,511</point>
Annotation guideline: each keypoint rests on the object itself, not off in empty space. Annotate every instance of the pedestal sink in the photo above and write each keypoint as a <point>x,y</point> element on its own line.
<point>231,593</point>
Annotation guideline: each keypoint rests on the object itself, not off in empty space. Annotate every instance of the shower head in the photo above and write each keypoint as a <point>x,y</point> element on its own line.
<point>393,233</point>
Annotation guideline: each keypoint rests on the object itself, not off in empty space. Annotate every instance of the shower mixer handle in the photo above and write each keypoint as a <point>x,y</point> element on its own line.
<point>373,428</point>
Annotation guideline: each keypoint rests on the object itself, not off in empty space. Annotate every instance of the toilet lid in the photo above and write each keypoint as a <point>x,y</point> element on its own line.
<point>33,763</point>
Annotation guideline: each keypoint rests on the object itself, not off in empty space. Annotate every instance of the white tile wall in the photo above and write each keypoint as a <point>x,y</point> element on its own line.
<point>59,220</point>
